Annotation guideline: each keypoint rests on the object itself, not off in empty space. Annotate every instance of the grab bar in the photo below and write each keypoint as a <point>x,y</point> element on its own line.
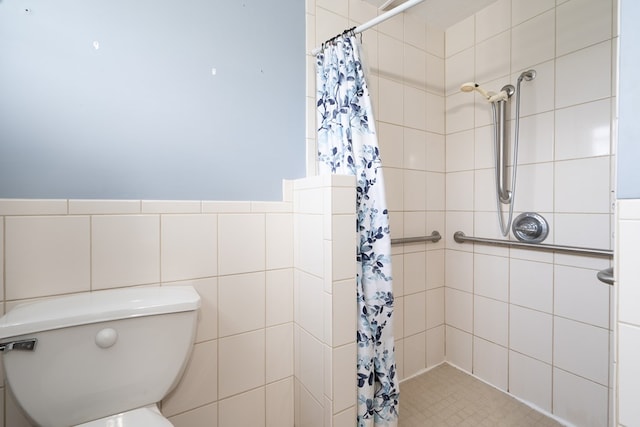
<point>460,237</point>
<point>606,276</point>
<point>434,237</point>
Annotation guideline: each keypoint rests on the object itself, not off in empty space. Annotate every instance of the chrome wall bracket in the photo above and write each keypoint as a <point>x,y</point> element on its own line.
<point>530,227</point>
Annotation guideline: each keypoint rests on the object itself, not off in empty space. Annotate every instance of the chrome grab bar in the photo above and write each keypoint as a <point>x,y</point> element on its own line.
<point>606,276</point>
<point>434,237</point>
<point>460,237</point>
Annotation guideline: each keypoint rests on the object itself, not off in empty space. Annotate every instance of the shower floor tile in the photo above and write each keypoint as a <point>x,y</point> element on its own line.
<point>446,397</point>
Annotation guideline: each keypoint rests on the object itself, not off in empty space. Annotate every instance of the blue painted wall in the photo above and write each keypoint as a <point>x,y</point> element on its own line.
<point>628,154</point>
<point>115,99</point>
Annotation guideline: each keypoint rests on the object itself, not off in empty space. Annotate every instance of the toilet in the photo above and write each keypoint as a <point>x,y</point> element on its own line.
<point>99,359</point>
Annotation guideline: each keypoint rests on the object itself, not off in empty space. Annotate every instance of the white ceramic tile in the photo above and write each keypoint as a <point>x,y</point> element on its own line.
<point>586,68</point>
<point>2,258</point>
<point>628,209</point>
<point>581,349</point>
<point>459,221</point>
<point>415,149</point>
<point>484,190</point>
<point>397,269</point>
<point>583,130</point>
<point>491,320</point>
<point>241,301</point>
<point>415,31</point>
<point>435,41</point>
<point>311,412</point>
<point>530,333</point>
<point>491,276</point>
<point>594,297</point>
<point>436,222</point>
<point>46,255</point>
<point>311,364</point>
<point>279,297</point>
<point>579,401</point>
<point>344,418</point>
<point>279,241</point>
<point>569,230</point>
<point>435,113</point>
<point>415,67</point>
<point>104,207</point>
<point>33,207</point>
<point>459,69</point>
<point>328,24</point>
<point>459,348</point>
<point>279,352</point>
<point>521,10</point>
<point>490,363</point>
<point>393,181</point>
<point>344,311</point>
<point>196,417</point>
<point>198,385</point>
<point>581,23</point>
<point>344,360</point>
<point>309,248</point>
<point>460,112</point>
<point>241,363</point>
<point>272,207</point>
<point>391,110</point>
<point>414,354</point>
<point>532,42</point>
<point>493,19</point>
<point>582,185</point>
<point>241,243</point>
<point>310,304</point>
<point>390,59</point>
<point>628,374</point>
<point>459,309</point>
<point>435,307</point>
<point>536,141</point>
<point>534,188</point>
<point>493,59</point>
<point>415,224</point>
<point>414,272</point>
<point>435,191</point>
<point>459,191</point>
<point>435,152</point>
<point>530,380</point>
<point>398,317</point>
<point>414,313</point>
<point>531,284</point>
<point>393,27</point>
<point>343,247</point>
<point>459,270</point>
<point>225,207</point>
<point>483,148</point>
<point>125,250</point>
<point>460,151</point>
<point>233,411</point>
<point>335,6</point>
<point>171,206</point>
<point>628,271</point>
<point>390,141</point>
<point>280,403</point>
<point>415,190</point>
<point>459,36</point>
<point>435,74</point>
<point>435,269</point>
<point>435,346</point>
<point>188,246</point>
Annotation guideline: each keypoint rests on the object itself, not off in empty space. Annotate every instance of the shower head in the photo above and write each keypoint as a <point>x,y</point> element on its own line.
<point>489,96</point>
<point>527,75</point>
<point>471,86</point>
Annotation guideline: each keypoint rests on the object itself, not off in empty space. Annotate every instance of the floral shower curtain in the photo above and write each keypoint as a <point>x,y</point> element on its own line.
<point>347,144</point>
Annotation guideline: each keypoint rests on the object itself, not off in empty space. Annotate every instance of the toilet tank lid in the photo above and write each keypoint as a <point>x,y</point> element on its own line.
<point>98,306</point>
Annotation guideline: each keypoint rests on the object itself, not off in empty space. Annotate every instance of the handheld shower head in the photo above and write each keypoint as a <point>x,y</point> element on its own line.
<point>471,86</point>
<point>527,75</point>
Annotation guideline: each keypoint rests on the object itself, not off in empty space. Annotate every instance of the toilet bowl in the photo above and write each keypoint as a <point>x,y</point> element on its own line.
<point>99,359</point>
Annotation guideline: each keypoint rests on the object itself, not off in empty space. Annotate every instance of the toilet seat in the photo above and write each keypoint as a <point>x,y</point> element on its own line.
<point>149,416</point>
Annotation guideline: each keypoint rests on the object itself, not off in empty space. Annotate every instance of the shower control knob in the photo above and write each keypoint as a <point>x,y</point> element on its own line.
<point>530,227</point>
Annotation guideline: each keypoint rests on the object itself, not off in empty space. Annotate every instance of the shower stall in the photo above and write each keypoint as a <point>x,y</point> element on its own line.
<point>534,324</point>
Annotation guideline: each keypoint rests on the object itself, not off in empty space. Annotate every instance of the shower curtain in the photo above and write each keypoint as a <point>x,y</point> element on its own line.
<point>347,144</point>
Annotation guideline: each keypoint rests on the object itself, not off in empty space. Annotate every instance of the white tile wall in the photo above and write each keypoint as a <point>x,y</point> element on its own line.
<point>530,379</point>
<point>578,400</point>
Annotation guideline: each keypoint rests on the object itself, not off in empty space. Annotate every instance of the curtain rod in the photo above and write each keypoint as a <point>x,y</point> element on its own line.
<point>378,19</point>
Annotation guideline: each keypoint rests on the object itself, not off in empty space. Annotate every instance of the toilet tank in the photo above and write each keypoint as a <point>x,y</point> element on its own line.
<point>98,354</point>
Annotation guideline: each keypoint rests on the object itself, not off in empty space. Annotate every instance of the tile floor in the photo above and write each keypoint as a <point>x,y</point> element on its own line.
<point>445,396</point>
